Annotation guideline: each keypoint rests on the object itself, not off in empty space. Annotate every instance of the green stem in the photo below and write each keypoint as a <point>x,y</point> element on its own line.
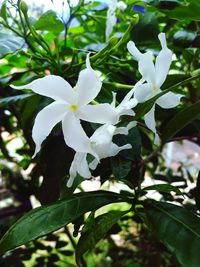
<point>124,38</point>
<point>120,85</point>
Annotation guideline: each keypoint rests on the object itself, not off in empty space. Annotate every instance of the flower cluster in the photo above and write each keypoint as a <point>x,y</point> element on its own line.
<point>72,105</point>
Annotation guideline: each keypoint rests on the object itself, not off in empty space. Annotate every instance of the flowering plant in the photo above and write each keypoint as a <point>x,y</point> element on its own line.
<point>91,101</point>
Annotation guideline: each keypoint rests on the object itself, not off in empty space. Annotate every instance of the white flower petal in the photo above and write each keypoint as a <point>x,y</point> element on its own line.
<point>88,85</point>
<point>146,67</point>
<point>70,181</point>
<point>143,92</point>
<point>103,134</point>
<point>145,62</point>
<point>79,165</point>
<point>83,168</point>
<point>51,86</point>
<point>149,119</point>
<point>74,135</point>
<point>100,113</point>
<point>115,149</point>
<point>45,120</point>
<point>131,92</point>
<point>124,130</point>
<point>111,18</point>
<point>133,50</point>
<point>93,164</point>
<point>169,100</point>
<point>163,61</point>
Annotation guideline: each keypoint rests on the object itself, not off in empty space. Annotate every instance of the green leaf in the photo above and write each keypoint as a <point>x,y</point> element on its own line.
<point>178,122</point>
<point>45,219</point>
<point>101,225</point>
<point>9,44</point>
<point>12,99</point>
<point>120,167</point>
<point>184,38</point>
<point>166,188</point>
<point>178,229</point>
<point>188,11</point>
<point>49,21</point>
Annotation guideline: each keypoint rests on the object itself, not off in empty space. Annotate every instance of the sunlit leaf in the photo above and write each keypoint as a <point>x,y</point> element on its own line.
<point>46,219</point>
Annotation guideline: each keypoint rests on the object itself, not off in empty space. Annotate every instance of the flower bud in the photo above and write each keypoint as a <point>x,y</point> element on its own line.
<point>23,7</point>
<point>3,11</point>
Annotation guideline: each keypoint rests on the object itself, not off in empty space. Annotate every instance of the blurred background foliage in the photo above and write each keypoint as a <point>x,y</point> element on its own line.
<point>44,42</point>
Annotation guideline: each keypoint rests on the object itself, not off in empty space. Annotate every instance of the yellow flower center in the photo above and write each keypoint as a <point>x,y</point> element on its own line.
<point>73,107</point>
<point>154,88</point>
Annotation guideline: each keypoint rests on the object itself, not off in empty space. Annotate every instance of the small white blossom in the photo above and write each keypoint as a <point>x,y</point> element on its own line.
<point>111,18</point>
<point>121,5</point>
<point>101,142</point>
<point>70,106</point>
<point>154,75</point>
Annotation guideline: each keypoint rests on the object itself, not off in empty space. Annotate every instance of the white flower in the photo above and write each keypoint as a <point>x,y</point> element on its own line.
<point>121,5</point>
<point>101,142</point>
<point>111,18</point>
<point>70,105</point>
<point>154,75</point>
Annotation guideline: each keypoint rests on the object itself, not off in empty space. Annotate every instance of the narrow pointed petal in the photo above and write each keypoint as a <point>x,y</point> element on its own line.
<point>114,149</point>
<point>125,108</point>
<point>88,85</point>
<point>79,166</point>
<point>146,68</point>
<point>93,164</point>
<point>143,92</point>
<point>163,61</point>
<point>131,92</point>
<point>111,18</point>
<point>149,119</point>
<point>124,130</point>
<point>145,62</point>
<point>83,167</point>
<point>74,135</point>
<point>133,50</point>
<point>169,100</point>
<point>70,181</point>
<point>100,113</point>
<point>45,120</point>
<point>51,86</point>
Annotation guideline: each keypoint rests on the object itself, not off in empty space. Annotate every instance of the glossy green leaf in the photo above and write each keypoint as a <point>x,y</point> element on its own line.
<point>189,10</point>
<point>120,167</point>
<point>178,229</point>
<point>100,226</point>
<point>184,38</point>
<point>178,122</point>
<point>10,44</point>
<point>49,21</point>
<point>45,219</point>
<point>166,188</point>
<point>12,99</point>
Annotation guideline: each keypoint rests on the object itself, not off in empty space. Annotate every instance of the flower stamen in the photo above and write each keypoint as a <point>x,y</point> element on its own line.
<point>73,107</point>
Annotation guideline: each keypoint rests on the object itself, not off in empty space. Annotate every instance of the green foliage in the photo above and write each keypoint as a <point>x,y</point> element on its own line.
<point>33,44</point>
<point>49,21</point>
<point>166,188</point>
<point>12,99</point>
<point>45,219</point>
<point>177,228</point>
<point>182,119</point>
<point>97,229</point>
<point>10,44</point>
